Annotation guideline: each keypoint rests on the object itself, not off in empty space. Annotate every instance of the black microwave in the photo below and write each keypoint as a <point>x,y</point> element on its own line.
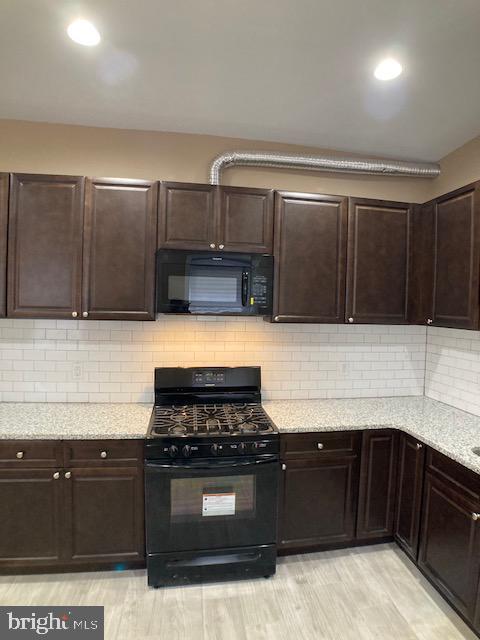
<point>209,282</point>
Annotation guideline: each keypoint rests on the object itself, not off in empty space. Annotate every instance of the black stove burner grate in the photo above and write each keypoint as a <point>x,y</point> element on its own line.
<point>211,419</point>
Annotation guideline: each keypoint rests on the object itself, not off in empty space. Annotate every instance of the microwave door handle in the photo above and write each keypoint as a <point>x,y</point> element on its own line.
<point>244,288</point>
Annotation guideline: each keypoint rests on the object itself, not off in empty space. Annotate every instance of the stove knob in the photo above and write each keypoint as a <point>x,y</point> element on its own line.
<point>173,451</point>
<point>242,448</point>
<point>255,447</point>
<point>214,449</point>
<point>187,451</point>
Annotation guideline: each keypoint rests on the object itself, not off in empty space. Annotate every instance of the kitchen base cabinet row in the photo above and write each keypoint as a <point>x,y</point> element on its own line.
<point>71,505</point>
<point>344,489</point>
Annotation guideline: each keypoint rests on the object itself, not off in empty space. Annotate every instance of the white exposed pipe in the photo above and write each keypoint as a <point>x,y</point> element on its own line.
<point>321,163</point>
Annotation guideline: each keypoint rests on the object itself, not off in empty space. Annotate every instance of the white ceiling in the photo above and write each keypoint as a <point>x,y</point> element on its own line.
<point>296,71</point>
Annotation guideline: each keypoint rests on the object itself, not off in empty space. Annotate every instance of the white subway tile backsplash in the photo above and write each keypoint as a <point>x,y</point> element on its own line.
<point>94,361</point>
<point>452,372</point>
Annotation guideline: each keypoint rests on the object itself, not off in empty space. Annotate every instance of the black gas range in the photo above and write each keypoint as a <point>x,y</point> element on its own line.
<point>212,466</point>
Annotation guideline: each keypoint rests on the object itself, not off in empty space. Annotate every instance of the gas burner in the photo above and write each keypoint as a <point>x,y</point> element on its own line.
<point>213,425</point>
<point>178,417</point>
<point>178,430</point>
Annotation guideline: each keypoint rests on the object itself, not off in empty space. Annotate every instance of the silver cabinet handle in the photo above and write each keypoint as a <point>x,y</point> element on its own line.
<point>284,467</point>
<point>56,475</point>
<point>85,314</point>
<point>74,314</point>
<point>319,446</point>
<point>212,246</point>
<point>475,516</point>
<point>419,445</point>
<point>350,320</point>
<point>68,475</point>
<point>429,321</point>
<point>103,454</point>
<point>20,454</point>
<point>221,246</point>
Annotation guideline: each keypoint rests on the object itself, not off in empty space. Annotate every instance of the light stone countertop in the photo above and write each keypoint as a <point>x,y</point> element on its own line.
<point>72,421</point>
<point>449,430</point>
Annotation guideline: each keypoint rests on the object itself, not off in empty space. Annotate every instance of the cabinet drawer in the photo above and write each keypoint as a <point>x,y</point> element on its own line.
<point>455,474</point>
<point>300,445</point>
<point>28,453</point>
<point>94,453</point>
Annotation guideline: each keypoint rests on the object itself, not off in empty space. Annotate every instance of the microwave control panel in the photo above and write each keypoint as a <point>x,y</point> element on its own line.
<point>259,290</point>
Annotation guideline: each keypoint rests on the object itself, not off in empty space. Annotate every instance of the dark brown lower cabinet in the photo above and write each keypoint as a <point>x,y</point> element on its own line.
<point>60,518</point>
<point>318,493</point>
<point>378,483</point>
<point>450,543</point>
<point>411,467</point>
<point>31,522</point>
<point>104,512</point>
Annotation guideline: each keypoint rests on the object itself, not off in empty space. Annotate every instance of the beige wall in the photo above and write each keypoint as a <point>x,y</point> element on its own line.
<point>56,148</point>
<point>460,167</point>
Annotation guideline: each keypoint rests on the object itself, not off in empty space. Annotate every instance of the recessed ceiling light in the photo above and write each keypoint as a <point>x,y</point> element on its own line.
<point>388,69</point>
<point>83,32</point>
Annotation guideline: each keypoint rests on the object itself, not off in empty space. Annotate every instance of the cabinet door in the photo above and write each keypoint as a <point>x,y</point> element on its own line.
<point>104,512</point>
<point>420,305</point>
<point>310,254</point>
<point>457,259</point>
<point>30,526</point>
<point>378,482</point>
<point>119,249</point>
<point>318,503</point>
<point>187,216</point>
<point>245,220</point>
<point>449,548</point>
<point>411,465</point>
<point>3,242</point>
<point>378,261</point>
<point>45,246</point>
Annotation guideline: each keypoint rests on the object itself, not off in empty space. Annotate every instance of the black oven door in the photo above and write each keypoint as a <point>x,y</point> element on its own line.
<point>211,504</point>
<point>214,283</point>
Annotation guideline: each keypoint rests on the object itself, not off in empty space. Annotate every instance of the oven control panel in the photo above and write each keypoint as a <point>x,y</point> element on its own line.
<point>208,378</point>
<point>178,448</point>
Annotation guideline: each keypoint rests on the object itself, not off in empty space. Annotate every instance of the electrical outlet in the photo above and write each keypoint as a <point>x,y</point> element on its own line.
<point>77,371</point>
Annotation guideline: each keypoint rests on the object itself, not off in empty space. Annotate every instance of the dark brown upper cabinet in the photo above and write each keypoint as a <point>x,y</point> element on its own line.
<point>421,283</point>
<point>3,242</point>
<point>310,257</point>
<point>45,246</point>
<point>378,261</point>
<point>378,484</point>
<point>245,220</point>
<point>187,217</point>
<point>119,249</point>
<point>447,248</point>
<point>207,217</point>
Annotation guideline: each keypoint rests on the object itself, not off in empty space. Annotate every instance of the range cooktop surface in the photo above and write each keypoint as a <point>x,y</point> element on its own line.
<point>210,419</point>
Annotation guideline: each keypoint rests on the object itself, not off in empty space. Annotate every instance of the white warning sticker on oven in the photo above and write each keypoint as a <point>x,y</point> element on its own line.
<point>218,504</point>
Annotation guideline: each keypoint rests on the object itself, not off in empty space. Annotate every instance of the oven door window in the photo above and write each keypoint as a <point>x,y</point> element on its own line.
<point>211,506</point>
<point>193,499</point>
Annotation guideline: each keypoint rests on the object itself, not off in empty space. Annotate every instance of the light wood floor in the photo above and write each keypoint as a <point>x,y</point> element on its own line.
<point>358,594</point>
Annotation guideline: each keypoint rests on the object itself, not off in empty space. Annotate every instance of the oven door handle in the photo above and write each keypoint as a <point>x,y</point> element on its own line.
<point>220,464</point>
